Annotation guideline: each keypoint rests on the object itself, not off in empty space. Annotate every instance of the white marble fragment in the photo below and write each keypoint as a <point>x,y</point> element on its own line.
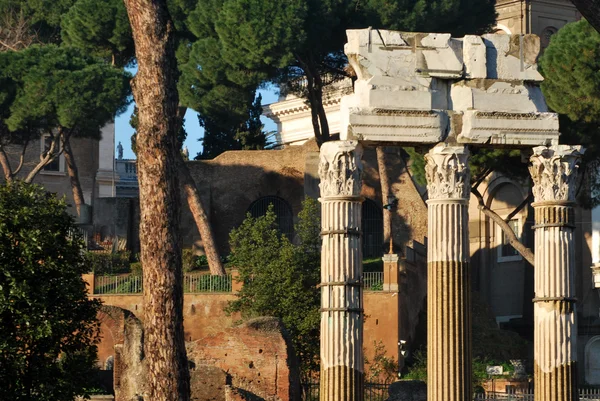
<point>474,57</point>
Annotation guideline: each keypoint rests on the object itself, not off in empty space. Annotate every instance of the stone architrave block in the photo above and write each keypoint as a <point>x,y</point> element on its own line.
<point>516,129</point>
<point>442,56</point>
<point>474,56</point>
<point>512,57</point>
<point>386,66</point>
<point>493,95</point>
<point>387,125</point>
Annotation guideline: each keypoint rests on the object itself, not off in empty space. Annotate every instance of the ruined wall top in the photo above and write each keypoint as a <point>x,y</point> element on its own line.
<point>424,87</point>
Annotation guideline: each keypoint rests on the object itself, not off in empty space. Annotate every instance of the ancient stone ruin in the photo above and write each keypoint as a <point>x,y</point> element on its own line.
<point>447,94</point>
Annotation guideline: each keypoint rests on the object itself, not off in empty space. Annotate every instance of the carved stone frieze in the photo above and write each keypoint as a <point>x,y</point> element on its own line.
<point>554,172</point>
<point>447,171</point>
<point>340,168</point>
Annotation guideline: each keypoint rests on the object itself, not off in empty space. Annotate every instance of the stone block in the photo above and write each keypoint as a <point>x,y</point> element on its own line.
<point>392,125</point>
<point>474,56</point>
<point>495,95</point>
<point>515,129</point>
<point>512,57</point>
<point>440,56</point>
<point>408,390</point>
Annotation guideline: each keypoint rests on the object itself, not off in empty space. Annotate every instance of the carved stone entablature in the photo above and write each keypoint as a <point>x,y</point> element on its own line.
<point>554,172</point>
<point>509,128</point>
<point>340,168</point>
<point>447,171</point>
<point>374,125</point>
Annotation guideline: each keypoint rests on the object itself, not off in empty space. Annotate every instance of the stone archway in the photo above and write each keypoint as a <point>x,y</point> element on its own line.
<point>592,361</point>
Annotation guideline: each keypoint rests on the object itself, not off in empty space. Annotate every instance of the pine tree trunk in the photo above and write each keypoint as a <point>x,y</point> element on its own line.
<point>385,191</point>
<point>201,219</point>
<point>590,9</point>
<point>155,93</point>
<point>73,174</point>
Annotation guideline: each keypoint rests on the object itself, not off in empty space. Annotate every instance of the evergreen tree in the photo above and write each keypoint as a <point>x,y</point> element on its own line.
<point>59,92</point>
<point>100,28</point>
<point>571,68</point>
<point>48,327</point>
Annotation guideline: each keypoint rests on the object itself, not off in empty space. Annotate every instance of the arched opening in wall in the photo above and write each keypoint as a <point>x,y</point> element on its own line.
<point>372,227</point>
<point>282,209</point>
<point>592,361</point>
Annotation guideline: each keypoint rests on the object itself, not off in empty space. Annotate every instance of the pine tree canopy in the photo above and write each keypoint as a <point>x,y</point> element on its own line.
<point>571,68</point>
<point>51,87</point>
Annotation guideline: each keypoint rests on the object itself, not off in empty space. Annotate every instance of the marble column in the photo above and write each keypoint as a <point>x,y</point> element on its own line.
<point>554,173</point>
<point>449,289</point>
<point>342,365</point>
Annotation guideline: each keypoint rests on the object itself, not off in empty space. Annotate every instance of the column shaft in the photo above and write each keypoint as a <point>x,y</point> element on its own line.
<point>449,291</point>
<point>342,365</point>
<point>555,353</point>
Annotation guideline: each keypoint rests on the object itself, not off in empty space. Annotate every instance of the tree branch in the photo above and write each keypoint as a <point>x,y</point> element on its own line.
<point>8,174</point>
<point>21,158</point>
<point>45,159</point>
<point>525,252</point>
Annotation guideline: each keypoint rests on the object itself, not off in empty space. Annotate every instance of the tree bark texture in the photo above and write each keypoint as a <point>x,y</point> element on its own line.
<point>202,221</point>
<point>385,191</point>
<point>5,163</point>
<point>155,93</point>
<point>73,174</point>
<point>590,9</point>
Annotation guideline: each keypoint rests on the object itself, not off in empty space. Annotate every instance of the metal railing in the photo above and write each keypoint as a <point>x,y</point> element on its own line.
<point>196,283</point>
<point>132,284</point>
<point>584,395</point>
<point>373,281</point>
<point>373,391</point>
<point>121,284</point>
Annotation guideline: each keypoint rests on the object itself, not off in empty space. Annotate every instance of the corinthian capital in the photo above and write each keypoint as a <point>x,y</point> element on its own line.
<point>447,172</point>
<point>554,172</point>
<point>340,168</point>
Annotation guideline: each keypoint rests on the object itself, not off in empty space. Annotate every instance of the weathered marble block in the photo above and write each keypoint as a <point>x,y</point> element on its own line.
<point>408,84</point>
<point>505,128</point>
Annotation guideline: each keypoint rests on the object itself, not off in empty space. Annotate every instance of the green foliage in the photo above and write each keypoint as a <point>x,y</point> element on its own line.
<point>381,367</point>
<point>280,278</point>
<point>48,329</point>
<point>107,263</point>
<point>571,68</point>
<point>55,87</point>
<point>100,28</point>
<point>459,17</point>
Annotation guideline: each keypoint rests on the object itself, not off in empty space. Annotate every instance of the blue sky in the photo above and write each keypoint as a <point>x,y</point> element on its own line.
<point>123,130</point>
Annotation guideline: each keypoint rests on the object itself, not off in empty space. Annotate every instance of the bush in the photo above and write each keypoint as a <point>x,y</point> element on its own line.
<point>280,278</point>
<point>48,327</point>
<point>108,263</point>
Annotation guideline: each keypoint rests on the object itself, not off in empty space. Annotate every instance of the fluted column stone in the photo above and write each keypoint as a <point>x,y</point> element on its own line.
<point>342,364</point>
<point>449,290</point>
<point>554,173</point>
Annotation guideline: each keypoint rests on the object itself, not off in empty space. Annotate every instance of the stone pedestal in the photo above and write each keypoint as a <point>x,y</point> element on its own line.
<point>391,270</point>
<point>554,171</point>
<point>449,292</point>
<point>342,364</point>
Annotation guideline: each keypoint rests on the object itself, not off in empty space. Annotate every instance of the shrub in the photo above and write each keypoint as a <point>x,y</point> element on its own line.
<point>48,327</point>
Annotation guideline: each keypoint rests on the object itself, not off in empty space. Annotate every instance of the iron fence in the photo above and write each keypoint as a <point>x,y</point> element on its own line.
<point>121,284</point>
<point>379,392</point>
<point>195,283</point>
<point>584,395</point>
<point>132,284</point>
<point>373,281</point>
<point>372,392</point>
